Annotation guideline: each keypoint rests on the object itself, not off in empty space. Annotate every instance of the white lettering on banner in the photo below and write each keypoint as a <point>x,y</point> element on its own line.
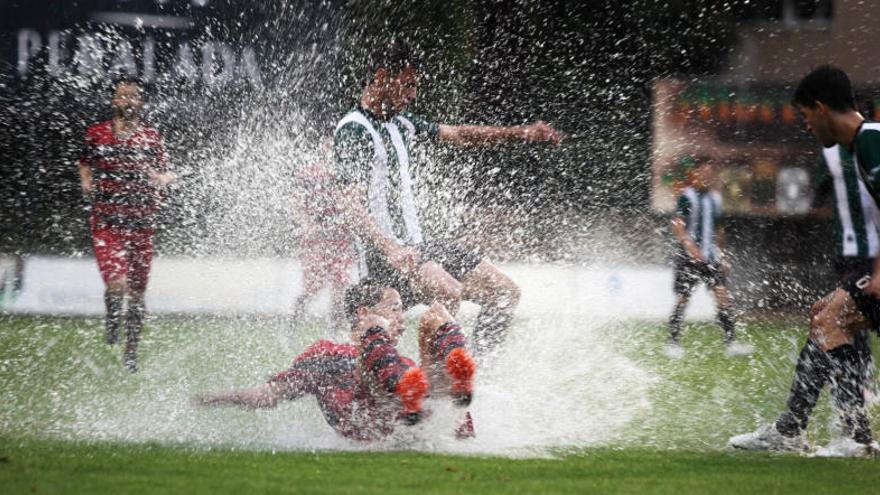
<point>29,45</point>
<point>95,57</point>
<point>185,68</point>
<point>149,60</point>
<point>57,53</point>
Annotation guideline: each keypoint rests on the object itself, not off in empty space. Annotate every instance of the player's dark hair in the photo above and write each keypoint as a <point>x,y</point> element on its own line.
<point>365,293</point>
<point>394,57</point>
<point>125,79</point>
<point>829,85</point>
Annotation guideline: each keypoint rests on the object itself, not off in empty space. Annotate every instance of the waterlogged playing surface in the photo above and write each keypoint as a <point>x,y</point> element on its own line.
<point>565,381</point>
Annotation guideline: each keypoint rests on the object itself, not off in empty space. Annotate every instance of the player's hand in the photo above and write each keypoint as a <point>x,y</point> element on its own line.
<point>432,319</point>
<point>542,132</point>
<point>372,320</point>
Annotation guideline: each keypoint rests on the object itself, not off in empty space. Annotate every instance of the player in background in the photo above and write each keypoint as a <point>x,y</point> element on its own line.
<point>698,228</point>
<point>373,145</point>
<point>123,171</point>
<point>325,248</point>
<point>365,388</point>
<point>830,356</point>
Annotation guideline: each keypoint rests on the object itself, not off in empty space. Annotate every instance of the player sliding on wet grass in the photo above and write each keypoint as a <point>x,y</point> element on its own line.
<point>365,388</point>
<point>839,320</point>
<point>372,147</point>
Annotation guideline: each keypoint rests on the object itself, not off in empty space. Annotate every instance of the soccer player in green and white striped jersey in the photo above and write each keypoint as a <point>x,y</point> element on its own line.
<point>698,227</point>
<point>839,320</point>
<point>373,156</point>
<point>855,234</point>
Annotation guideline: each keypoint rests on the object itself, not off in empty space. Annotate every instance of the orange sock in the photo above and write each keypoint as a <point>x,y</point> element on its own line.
<point>412,389</point>
<point>461,368</point>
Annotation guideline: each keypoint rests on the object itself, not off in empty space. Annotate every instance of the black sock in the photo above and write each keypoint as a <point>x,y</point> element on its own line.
<point>725,321</point>
<point>848,381</point>
<point>113,317</point>
<point>811,373</point>
<point>675,322</point>
<point>490,331</point>
<point>134,323</point>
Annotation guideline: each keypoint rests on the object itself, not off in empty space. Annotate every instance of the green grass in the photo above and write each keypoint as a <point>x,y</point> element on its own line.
<point>71,421</point>
<point>63,467</point>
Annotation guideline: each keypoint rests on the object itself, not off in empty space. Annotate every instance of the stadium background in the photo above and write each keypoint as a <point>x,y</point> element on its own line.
<point>237,127</point>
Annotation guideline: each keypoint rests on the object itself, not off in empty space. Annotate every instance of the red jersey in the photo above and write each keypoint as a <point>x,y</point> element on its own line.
<point>315,183</point>
<point>330,372</point>
<point>123,195</point>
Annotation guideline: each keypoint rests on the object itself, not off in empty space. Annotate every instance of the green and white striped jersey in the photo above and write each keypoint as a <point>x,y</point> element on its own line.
<point>855,233</point>
<point>376,153</point>
<point>702,214</point>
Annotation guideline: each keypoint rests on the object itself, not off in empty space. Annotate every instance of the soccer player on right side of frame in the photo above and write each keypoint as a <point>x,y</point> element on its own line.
<point>826,100</point>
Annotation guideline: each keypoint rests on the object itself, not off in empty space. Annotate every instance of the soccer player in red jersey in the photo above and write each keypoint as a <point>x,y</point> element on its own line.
<point>123,170</point>
<point>324,245</point>
<point>365,388</point>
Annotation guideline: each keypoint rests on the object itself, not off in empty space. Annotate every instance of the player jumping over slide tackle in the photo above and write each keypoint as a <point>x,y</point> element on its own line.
<point>372,146</point>
<point>365,388</point>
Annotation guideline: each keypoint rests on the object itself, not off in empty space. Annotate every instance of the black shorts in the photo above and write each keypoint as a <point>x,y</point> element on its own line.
<point>457,260</point>
<point>689,273</point>
<point>855,283</point>
<point>844,265</point>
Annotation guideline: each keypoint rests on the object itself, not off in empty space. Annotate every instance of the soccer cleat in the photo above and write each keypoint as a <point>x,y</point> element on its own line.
<point>767,437</point>
<point>412,389</point>
<point>847,447</point>
<point>461,367</point>
<point>737,349</point>
<point>674,350</point>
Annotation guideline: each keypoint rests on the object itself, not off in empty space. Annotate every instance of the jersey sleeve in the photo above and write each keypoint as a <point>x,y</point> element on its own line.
<point>352,154</point>
<point>822,183</point>
<point>868,153</point>
<point>421,127</point>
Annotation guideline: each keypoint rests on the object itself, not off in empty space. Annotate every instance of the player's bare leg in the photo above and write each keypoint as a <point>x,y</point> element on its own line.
<point>313,281</point>
<point>837,321</point>
<point>450,367</point>
<point>337,308</point>
<point>433,283</point>
<point>498,296</point>
<point>828,357</point>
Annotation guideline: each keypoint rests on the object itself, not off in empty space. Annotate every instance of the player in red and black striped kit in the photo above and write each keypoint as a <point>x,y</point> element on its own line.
<point>123,170</point>
<point>365,388</point>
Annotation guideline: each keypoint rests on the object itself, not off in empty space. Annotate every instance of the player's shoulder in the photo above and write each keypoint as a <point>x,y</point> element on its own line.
<point>869,132</point>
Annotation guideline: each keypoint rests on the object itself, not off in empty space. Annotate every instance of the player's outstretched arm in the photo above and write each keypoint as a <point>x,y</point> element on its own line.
<point>487,134</point>
<point>265,396</point>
